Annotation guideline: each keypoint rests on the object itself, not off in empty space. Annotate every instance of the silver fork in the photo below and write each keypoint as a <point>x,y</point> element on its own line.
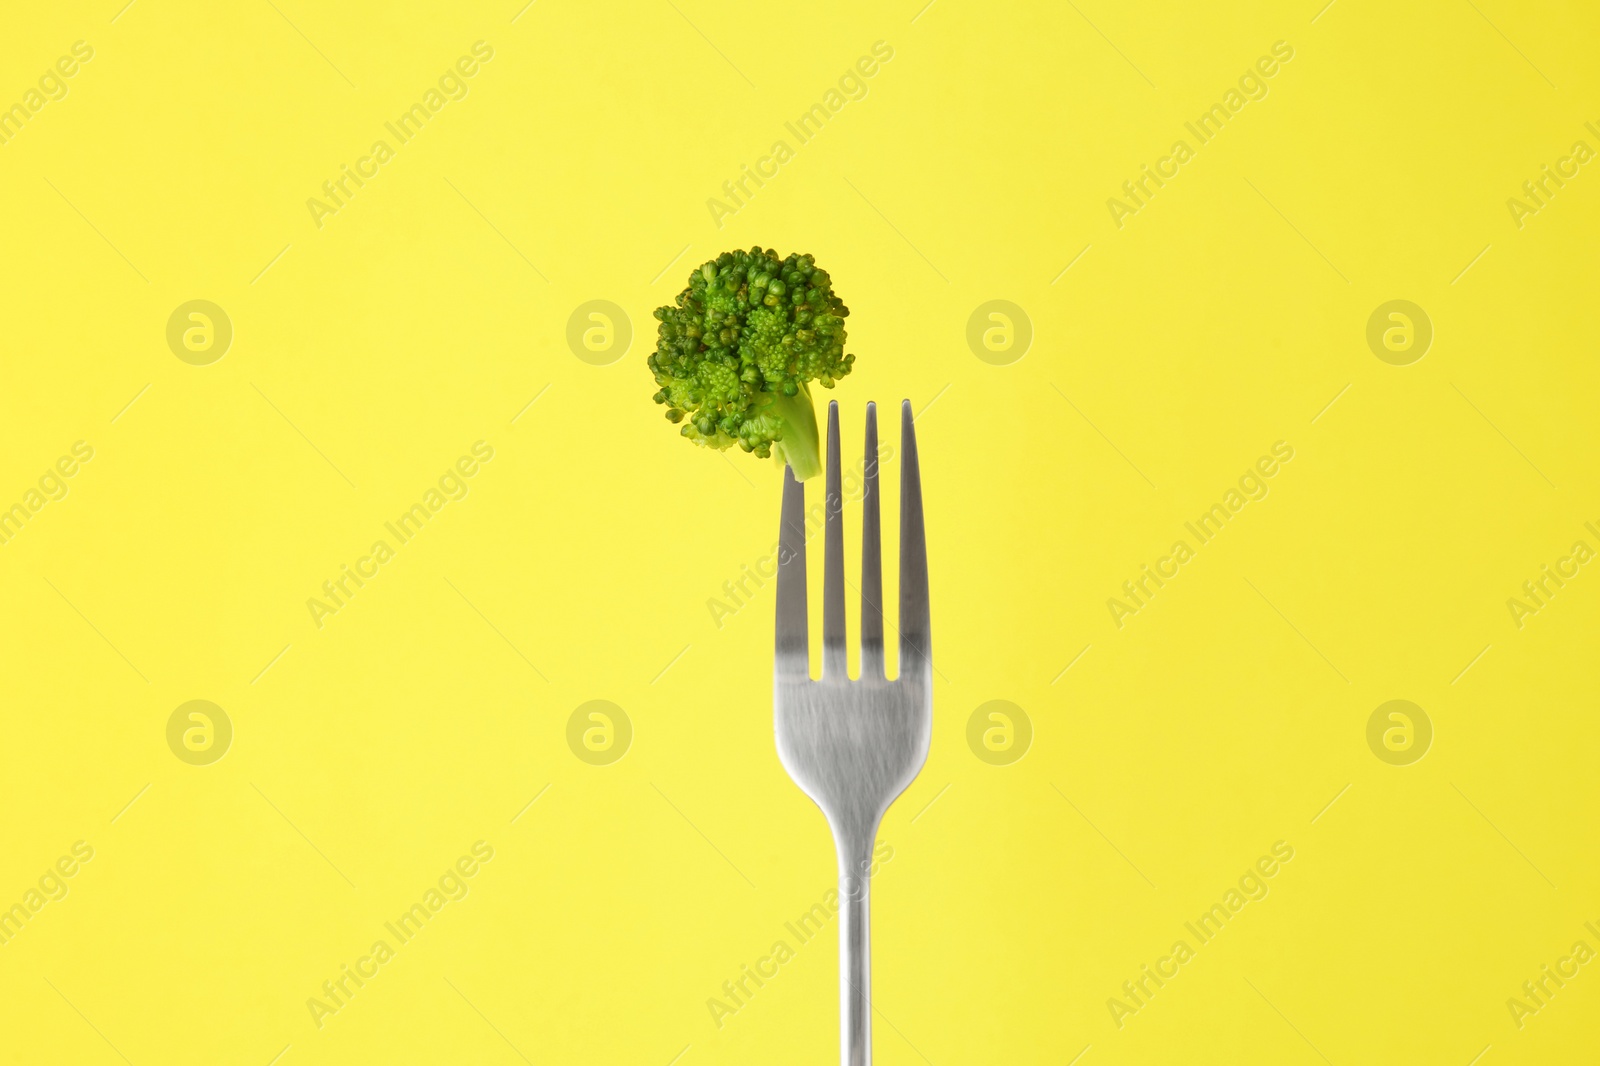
<point>854,746</point>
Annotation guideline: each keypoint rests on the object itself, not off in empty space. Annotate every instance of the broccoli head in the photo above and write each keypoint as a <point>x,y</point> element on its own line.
<point>736,355</point>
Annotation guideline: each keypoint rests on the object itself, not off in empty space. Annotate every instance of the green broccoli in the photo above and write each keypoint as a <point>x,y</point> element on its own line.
<point>735,357</point>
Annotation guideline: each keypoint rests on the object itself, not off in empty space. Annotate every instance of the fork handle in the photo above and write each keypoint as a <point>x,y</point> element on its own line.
<point>855,959</point>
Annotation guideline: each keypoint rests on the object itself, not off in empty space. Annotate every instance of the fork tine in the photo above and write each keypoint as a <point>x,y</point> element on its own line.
<point>915,648</point>
<point>834,656</point>
<point>792,650</point>
<point>871,557</point>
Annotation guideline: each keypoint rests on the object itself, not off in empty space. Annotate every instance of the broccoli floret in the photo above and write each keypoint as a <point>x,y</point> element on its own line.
<point>736,355</point>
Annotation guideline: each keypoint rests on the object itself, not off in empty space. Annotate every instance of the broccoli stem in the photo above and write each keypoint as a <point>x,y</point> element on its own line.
<point>799,444</point>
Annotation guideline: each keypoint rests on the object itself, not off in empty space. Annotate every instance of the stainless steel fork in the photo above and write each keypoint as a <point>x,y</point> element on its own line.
<point>854,746</point>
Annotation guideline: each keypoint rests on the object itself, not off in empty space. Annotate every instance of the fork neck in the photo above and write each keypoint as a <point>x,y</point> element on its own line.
<point>855,947</point>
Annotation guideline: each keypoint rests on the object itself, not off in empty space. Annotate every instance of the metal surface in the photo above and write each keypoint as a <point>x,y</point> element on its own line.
<point>854,746</point>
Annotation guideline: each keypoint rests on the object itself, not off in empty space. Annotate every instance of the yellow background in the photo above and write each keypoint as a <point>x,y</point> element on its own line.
<point>370,353</point>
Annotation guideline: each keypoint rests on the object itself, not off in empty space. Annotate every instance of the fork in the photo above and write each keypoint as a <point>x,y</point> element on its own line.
<point>854,746</point>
